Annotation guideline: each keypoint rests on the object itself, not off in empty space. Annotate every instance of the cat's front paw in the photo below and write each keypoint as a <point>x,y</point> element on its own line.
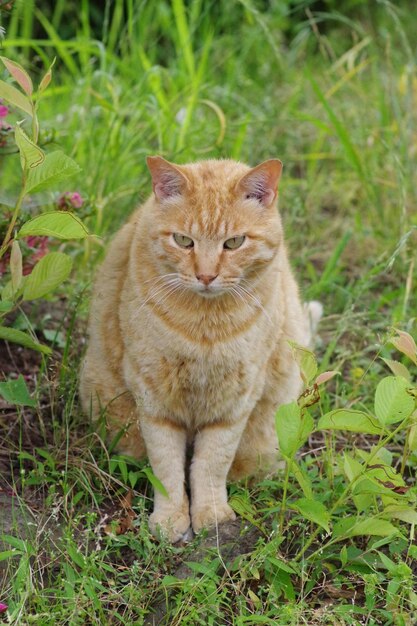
<point>172,526</point>
<point>211,515</point>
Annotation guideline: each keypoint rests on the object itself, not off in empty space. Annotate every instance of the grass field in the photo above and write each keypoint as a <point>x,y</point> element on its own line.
<point>332,92</point>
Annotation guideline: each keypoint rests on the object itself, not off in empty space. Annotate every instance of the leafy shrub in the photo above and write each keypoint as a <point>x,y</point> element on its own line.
<point>28,269</point>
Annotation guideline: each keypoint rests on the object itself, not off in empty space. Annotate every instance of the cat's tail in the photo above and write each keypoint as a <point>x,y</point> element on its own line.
<point>314,312</point>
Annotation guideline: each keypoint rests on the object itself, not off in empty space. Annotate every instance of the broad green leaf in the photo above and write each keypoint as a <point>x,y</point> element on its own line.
<point>348,419</point>
<point>46,79</point>
<point>155,482</point>
<point>16,392</point>
<point>405,514</point>
<point>382,455</point>
<point>56,167</point>
<point>8,293</point>
<point>302,478</point>
<point>405,344</point>
<point>15,97</point>
<point>292,429</point>
<point>398,369</point>
<point>363,501</point>
<point>370,485</point>
<point>59,224</point>
<point>306,361</point>
<point>392,401</point>
<point>6,306</point>
<point>30,154</point>
<point>389,564</point>
<point>307,427</point>
<point>16,267</point>
<point>353,527</point>
<point>314,511</point>
<point>352,467</point>
<point>18,336</point>
<point>19,74</point>
<point>287,424</point>
<point>412,436</point>
<point>47,275</point>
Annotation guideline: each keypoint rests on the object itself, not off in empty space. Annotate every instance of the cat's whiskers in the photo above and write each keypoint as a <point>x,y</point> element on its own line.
<point>155,291</point>
<point>156,279</point>
<point>165,296</point>
<point>256,301</point>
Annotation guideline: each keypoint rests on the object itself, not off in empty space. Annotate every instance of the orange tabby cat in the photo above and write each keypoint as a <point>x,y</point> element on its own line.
<point>190,320</point>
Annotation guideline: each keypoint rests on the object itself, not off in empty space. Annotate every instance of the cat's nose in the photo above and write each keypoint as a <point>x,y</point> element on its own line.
<point>206,279</point>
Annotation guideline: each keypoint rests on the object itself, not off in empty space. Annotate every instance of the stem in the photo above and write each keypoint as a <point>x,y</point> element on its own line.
<point>284,494</point>
<point>35,124</point>
<point>16,211</point>
<point>341,499</point>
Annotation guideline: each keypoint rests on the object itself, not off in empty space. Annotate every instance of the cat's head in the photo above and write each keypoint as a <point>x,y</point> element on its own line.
<point>214,225</point>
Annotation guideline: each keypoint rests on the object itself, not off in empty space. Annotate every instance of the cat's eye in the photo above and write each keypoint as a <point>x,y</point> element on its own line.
<point>234,242</point>
<point>183,240</point>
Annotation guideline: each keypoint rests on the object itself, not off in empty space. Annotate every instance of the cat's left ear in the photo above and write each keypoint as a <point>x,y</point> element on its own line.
<point>167,178</point>
<point>261,182</point>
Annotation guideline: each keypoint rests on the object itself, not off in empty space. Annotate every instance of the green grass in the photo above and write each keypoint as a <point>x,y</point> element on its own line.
<point>333,93</point>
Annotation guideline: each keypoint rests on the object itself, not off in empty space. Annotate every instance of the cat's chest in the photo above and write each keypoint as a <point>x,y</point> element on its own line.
<point>197,388</point>
<point>203,389</point>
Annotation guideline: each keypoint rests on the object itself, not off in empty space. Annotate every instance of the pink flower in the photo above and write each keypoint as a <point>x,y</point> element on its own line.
<point>3,110</point>
<point>3,607</point>
<point>70,200</point>
<point>35,241</point>
<point>40,247</point>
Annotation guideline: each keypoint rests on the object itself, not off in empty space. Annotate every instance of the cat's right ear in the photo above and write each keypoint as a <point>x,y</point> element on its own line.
<point>167,179</point>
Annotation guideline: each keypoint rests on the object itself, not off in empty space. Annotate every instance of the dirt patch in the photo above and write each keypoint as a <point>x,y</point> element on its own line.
<point>228,541</point>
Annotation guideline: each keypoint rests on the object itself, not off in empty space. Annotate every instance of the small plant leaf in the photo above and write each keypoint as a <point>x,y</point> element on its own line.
<point>18,336</point>
<point>6,306</point>
<point>287,423</point>
<point>302,478</point>
<point>19,74</point>
<point>292,429</point>
<point>405,344</point>
<point>352,467</point>
<point>314,511</point>
<point>348,419</point>
<point>325,376</point>
<point>47,275</point>
<point>55,167</point>
<point>30,154</point>
<point>353,527</point>
<point>16,266</point>
<point>392,402</point>
<point>59,224</point>
<point>405,514</point>
<point>412,435</point>
<point>398,369</point>
<point>8,293</point>
<point>306,361</point>
<point>47,77</point>
<point>15,97</point>
<point>16,392</point>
